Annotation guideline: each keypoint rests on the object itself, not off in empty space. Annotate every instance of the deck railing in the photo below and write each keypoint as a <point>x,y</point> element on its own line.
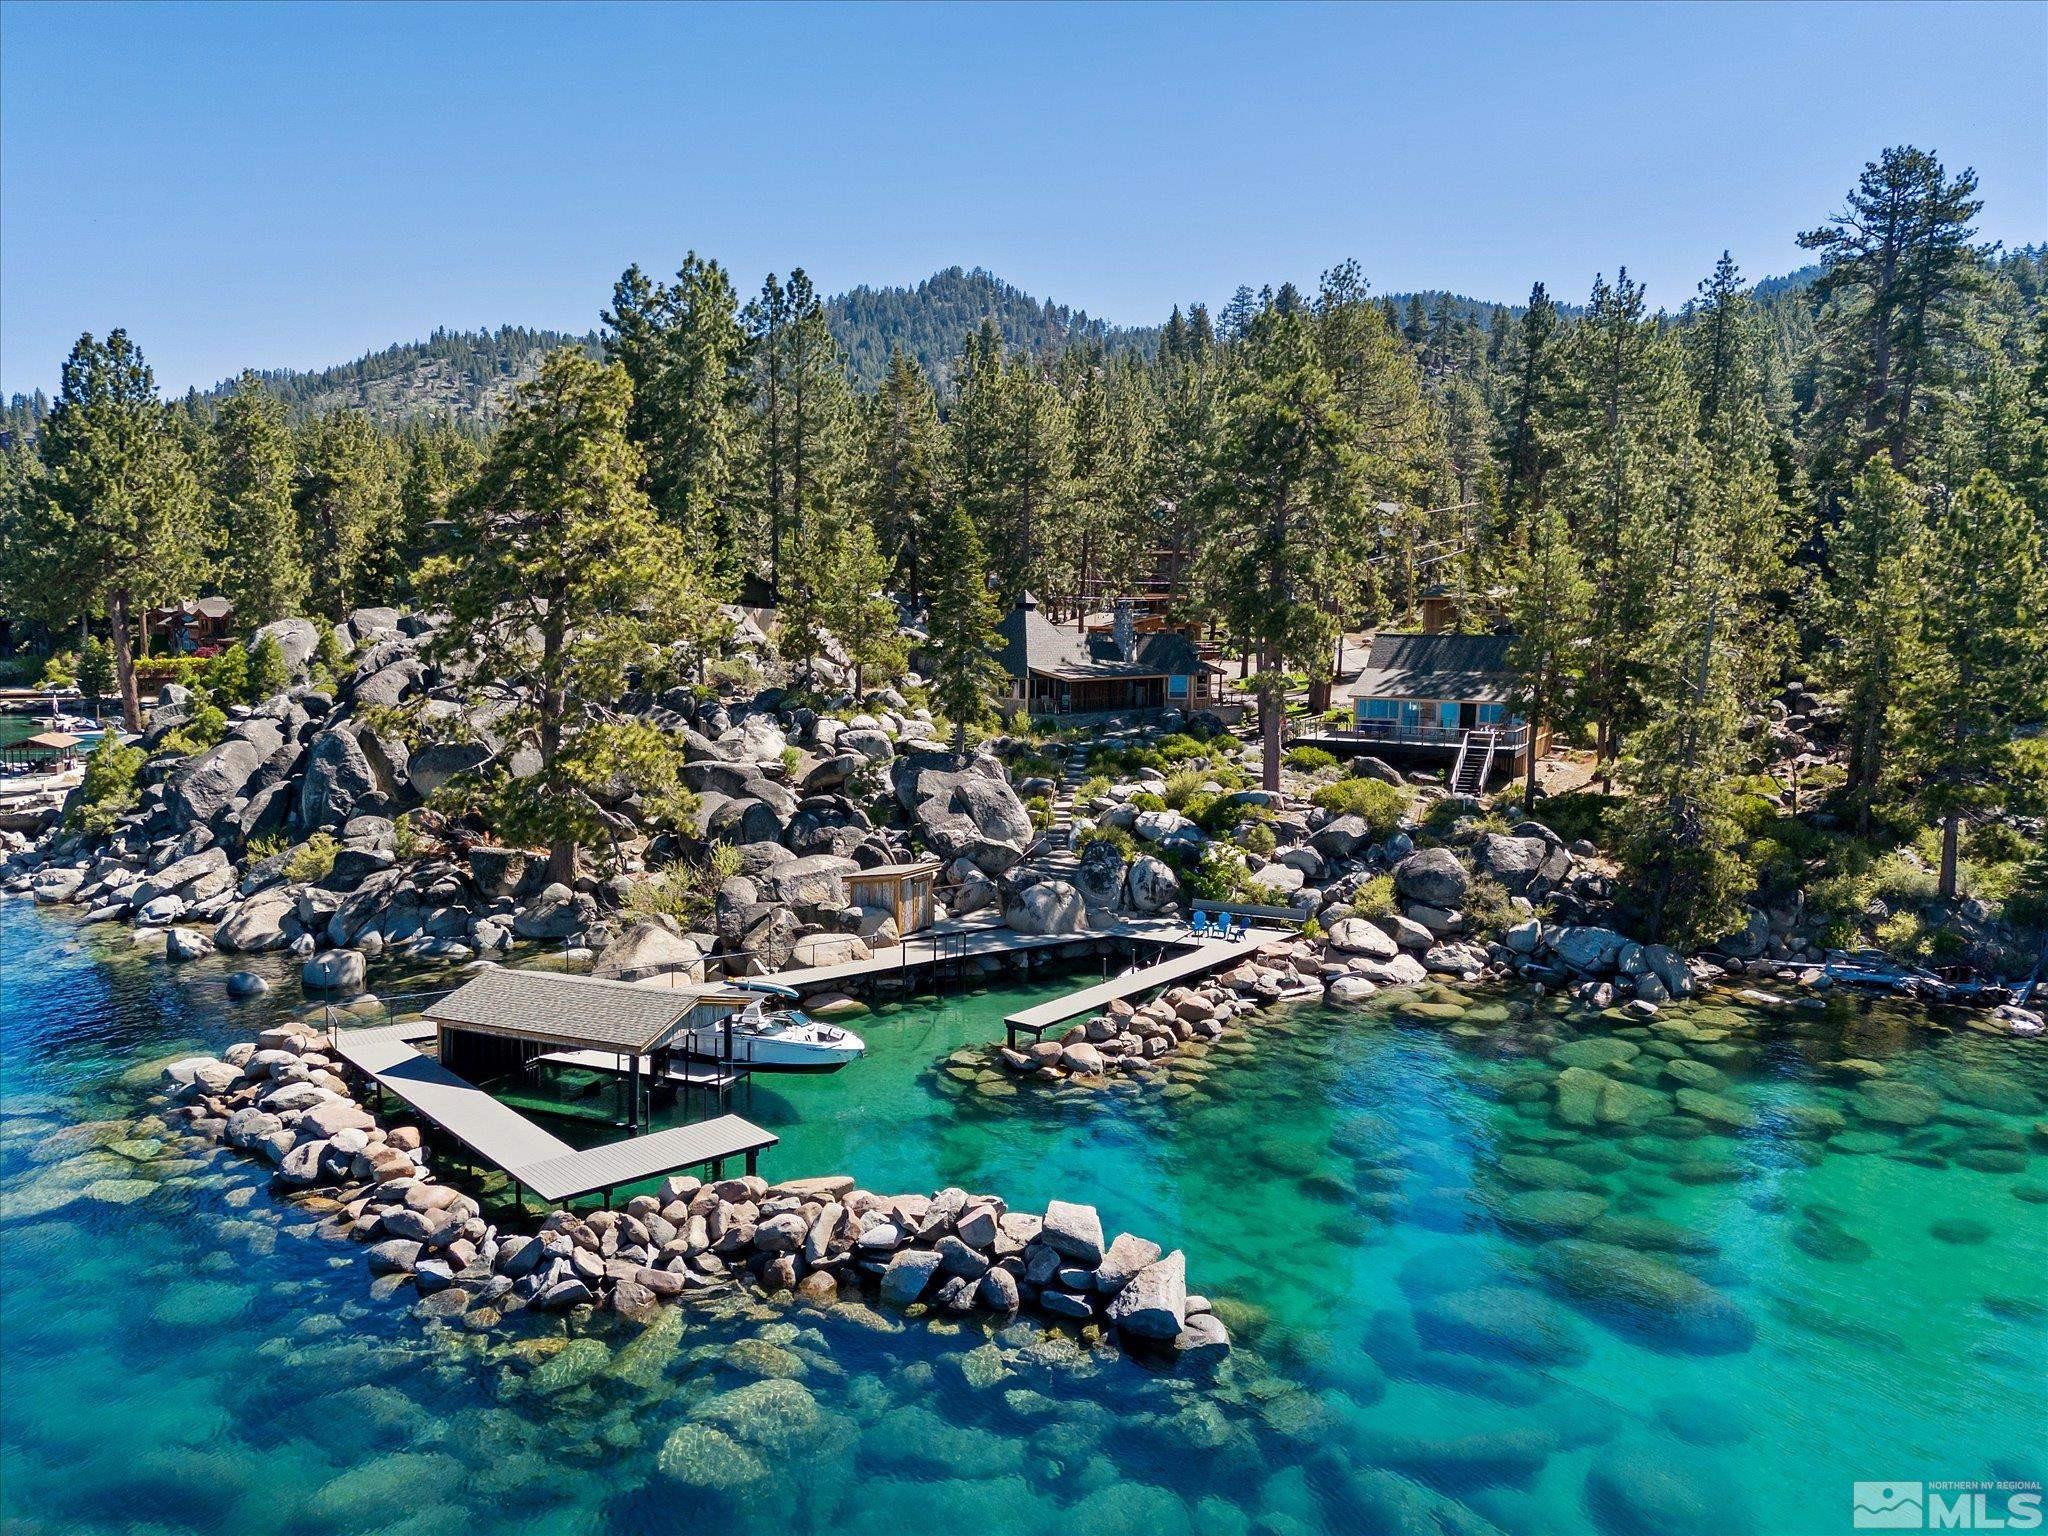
<point>1511,738</point>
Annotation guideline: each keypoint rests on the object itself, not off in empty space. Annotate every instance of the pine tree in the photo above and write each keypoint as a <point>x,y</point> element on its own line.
<point>95,672</point>
<point>115,517</point>
<point>861,612</point>
<point>1897,271</point>
<point>263,548</point>
<point>561,582</point>
<point>801,406</point>
<point>1288,495</point>
<point>1529,451</point>
<point>900,480</point>
<point>683,347</point>
<point>346,490</point>
<point>1625,448</point>
<point>1552,603</point>
<point>1870,611</point>
<point>962,627</point>
<point>1983,668</point>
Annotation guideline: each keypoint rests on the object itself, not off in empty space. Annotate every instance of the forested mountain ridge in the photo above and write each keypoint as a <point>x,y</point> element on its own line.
<point>466,378</point>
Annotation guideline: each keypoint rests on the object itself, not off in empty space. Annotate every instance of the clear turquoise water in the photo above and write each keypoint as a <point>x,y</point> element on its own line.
<point>178,1352</point>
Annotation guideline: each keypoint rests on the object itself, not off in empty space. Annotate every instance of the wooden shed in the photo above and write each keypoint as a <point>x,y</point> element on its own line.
<point>904,890</point>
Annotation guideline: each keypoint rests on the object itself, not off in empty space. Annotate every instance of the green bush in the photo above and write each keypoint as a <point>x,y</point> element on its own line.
<point>1145,800</point>
<point>60,671</point>
<point>1039,809</point>
<point>1379,805</point>
<point>107,792</point>
<point>1375,898</point>
<point>1583,813</point>
<point>1116,837</point>
<point>1488,905</point>
<point>203,728</point>
<point>95,669</point>
<point>1090,790</point>
<point>313,859</point>
<point>268,672</point>
<point>227,675</point>
<point>1258,838</point>
<point>1184,786</point>
<point>686,892</point>
<point>329,654</point>
<point>1309,759</point>
<point>268,846</point>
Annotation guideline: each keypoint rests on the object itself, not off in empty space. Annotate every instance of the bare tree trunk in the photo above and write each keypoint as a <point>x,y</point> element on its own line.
<point>124,659</point>
<point>1951,838</point>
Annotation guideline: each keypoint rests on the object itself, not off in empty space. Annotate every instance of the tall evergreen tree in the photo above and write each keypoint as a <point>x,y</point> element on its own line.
<point>562,582</point>
<point>962,627</point>
<point>1983,667</point>
<point>115,519</point>
<point>1551,605</point>
<point>1288,495</point>
<point>1529,449</point>
<point>262,547</point>
<point>1870,609</point>
<point>1897,268</point>
<point>346,490</point>
<point>900,479</point>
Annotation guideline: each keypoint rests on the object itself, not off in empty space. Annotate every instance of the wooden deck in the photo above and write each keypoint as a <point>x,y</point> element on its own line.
<point>529,1155</point>
<point>1201,957</point>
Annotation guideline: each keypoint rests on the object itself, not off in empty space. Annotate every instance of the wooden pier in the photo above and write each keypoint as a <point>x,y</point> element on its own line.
<point>1199,957</point>
<point>531,1157</point>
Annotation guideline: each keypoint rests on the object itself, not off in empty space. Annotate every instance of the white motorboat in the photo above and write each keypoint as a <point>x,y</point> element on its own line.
<point>770,1036</point>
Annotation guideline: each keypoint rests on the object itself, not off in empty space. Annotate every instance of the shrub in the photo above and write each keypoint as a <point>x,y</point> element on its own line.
<point>60,671</point>
<point>1309,759</point>
<point>1375,898</point>
<point>107,792</point>
<point>313,859</point>
<point>95,669</point>
<point>726,861</point>
<point>268,673</point>
<point>203,728</point>
<point>733,674</point>
<point>227,675</point>
<point>1039,808</point>
<point>685,892</point>
<point>1145,800</point>
<point>1258,838</point>
<point>328,651</point>
<point>1488,905</point>
<point>1584,813</point>
<point>1122,841</point>
<point>1184,786</point>
<point>1090,790</point>
<point>268,846</point>
<point>1379,805</point>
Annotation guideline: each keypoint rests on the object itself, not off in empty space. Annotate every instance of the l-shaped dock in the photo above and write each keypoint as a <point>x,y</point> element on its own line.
<point>530,1156</point>
<point>1198,959</point>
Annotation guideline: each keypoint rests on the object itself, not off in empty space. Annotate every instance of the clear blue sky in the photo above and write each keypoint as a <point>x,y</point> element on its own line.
<point>286,185</point>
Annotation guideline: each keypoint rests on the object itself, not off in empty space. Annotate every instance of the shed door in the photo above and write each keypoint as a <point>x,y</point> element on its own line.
<point>1468,716</point>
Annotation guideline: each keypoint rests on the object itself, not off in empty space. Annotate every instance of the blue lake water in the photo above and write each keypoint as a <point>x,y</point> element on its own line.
<point>1458,1311</point>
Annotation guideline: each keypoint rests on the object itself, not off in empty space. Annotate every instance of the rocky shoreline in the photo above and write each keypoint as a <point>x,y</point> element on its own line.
<point>819,1242</point>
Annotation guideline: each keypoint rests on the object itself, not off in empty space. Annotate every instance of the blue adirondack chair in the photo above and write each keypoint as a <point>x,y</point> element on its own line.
<point>1199,928</point>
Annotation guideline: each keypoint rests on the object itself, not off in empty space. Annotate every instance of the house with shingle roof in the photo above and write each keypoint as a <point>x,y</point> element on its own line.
<point>1442,691</point>
<point>1124,669</point>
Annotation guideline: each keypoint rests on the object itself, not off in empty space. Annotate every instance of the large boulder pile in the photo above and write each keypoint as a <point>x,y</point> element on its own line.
<point>818,1241</point>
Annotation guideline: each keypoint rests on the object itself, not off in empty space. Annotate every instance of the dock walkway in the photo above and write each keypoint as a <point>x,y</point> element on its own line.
<point>1199,957</point>
<point>529,1155</point>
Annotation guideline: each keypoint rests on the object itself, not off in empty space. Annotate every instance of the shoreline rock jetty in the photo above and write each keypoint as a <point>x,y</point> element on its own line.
<point>816,1242</point>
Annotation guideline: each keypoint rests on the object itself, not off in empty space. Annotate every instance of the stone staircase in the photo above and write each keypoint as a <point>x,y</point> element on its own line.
<point>1053,854</point>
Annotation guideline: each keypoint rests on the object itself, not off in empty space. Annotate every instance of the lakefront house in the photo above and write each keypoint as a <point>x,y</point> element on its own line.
<point>1055,670</point>
<point>1447,692</point>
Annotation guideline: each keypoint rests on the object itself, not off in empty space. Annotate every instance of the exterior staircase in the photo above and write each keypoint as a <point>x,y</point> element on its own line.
<point>1053,854</point>
<point>1474,767</point>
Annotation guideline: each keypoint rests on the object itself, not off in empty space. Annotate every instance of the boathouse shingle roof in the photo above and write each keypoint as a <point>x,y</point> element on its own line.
<point>582,1011</point>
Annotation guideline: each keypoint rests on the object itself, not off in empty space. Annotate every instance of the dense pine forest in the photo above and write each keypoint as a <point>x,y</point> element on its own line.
<point>1831,487</point>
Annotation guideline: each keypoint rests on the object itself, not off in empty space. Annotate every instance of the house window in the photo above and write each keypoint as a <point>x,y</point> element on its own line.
<point>1177,687</point>
<point>1376,709</point>
<point>1493,714</point>
<point>1411,714</point>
